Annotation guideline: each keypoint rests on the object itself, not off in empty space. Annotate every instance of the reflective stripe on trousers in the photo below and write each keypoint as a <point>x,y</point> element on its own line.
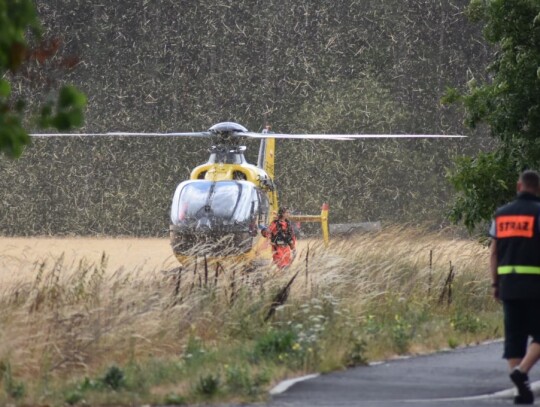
<point>518,270</point>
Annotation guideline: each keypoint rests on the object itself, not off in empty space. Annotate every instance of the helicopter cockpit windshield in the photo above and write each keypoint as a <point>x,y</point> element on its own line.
<point>210,205</point>
<point>207,216</point>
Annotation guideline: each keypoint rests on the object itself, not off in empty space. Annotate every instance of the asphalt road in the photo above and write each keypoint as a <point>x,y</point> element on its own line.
<point>473,376</point>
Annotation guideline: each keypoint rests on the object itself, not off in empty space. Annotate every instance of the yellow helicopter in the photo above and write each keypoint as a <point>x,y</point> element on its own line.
<point>218,211</point>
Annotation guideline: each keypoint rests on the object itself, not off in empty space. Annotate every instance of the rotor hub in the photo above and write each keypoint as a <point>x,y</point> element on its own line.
<point>227,128</point>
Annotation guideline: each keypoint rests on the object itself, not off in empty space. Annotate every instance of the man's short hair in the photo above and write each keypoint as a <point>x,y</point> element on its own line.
<point>530,179</point>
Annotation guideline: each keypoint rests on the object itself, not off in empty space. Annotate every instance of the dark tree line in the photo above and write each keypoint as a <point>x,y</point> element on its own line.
<point>352,66</point>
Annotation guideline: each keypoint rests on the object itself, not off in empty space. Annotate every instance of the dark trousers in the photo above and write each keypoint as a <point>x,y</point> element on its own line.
<point>521,320</point>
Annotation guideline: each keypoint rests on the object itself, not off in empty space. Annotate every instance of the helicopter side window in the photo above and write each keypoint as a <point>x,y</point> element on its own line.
<point>226,157</point>
<point>239,176</point>
<point>254,213</point>
<point>263,207</point>
<point>255,207</point>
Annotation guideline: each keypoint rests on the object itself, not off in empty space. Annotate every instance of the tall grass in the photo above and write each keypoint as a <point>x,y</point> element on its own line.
<point>85,334</point>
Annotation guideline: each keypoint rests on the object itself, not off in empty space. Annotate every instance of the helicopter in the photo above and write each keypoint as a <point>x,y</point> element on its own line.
<point>218,211</point>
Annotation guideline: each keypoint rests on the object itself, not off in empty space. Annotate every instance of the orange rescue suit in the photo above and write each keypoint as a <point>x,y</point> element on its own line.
<point>283,242</point>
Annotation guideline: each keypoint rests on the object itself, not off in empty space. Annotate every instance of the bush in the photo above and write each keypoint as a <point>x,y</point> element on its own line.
<point>114,378</point>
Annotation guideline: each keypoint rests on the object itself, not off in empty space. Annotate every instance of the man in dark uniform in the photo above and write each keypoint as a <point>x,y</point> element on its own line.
<point>515,273</point>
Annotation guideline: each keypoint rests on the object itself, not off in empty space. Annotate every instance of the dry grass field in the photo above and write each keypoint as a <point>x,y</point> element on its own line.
<point>104,321</point>
<point>18,255</point>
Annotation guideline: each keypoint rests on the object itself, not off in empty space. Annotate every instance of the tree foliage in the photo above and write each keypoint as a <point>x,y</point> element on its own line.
<point>17,18</point>
<point>508,103</point>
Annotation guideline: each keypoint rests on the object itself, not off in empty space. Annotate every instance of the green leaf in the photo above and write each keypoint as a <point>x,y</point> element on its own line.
<point>5,88</point>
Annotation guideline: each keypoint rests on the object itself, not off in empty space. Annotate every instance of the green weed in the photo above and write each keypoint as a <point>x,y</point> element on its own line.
<point>240,380</point>
<point>275,344</point>
<point>74,397</point>
<point>13,388</point>
<point>174,399</point>
<point>208,385</point>
<point>467,323</point>
<point>453,343</point>
<point>356,355</point>
<point>401,334</point>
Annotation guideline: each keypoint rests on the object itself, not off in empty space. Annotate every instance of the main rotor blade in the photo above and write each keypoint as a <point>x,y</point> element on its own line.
<point>343,136</point>
<point>340,137</point>
<point>124,134</point>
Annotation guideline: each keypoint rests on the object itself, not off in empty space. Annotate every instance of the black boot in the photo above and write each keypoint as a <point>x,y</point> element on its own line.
<point>521,380</point>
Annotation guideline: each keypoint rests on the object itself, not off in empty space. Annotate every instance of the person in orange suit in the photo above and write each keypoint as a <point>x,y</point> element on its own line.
<point>282,238</point>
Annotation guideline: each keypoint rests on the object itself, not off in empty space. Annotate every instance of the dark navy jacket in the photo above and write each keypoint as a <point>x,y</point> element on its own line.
<point>516,228</point>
